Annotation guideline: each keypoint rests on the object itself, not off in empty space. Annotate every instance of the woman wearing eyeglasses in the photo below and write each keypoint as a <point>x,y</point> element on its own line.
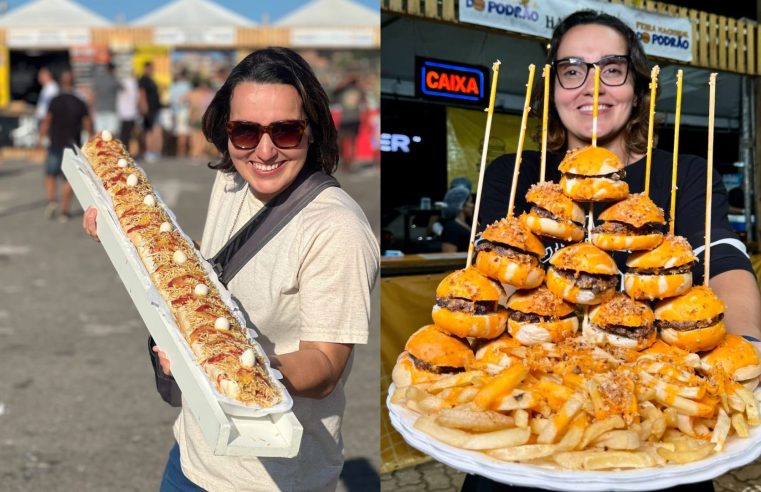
<point>307,291</point>
<point>581,41</point>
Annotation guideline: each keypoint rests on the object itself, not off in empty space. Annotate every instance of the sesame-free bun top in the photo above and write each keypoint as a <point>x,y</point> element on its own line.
<point>636,210</point>
<point>696,304</point>
<point>549,196</point>
<point>435,347</point>
<point>539,301</point>
<point>468,283</point>
<point>584,257</point>
<point>622,310</point>
<point>674,251</point>
<point>737,356</point>
<point>511,232</point>
<point>590,161</point>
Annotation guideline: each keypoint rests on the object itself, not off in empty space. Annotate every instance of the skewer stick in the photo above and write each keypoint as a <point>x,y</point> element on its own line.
<point>675,158</point>
<point>590,221</point>
<point>489,113</point>
<point>545,114</point>
<point>653,86</point>
<point>709,177</point>
<point>594,105</point>
<point>521,137</point>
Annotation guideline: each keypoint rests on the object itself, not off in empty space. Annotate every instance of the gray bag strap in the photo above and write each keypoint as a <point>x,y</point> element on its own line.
<point>268,222</point>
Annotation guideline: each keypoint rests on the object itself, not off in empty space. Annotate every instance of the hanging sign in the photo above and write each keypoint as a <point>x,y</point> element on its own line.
<point>448,81</point>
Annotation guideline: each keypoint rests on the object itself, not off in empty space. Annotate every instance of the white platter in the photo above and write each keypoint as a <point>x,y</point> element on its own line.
<point>737,452</point>
<point>230,427</point>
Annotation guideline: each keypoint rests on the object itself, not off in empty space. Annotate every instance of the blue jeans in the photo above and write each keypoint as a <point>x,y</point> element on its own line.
<point>174,480</point>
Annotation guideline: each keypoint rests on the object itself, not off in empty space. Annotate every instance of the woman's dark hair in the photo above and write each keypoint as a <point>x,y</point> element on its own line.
<point>276,66</point>
<point>635,131</point>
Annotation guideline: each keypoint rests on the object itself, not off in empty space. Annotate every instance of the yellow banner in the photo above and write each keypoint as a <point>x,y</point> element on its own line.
<point>465,140</point>
<point>162,69</point>
<point>5,86</point>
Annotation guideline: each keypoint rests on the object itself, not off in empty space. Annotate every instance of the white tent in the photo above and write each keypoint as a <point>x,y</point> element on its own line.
<point>52,13</point>
<point>331,13</point>
<point>195,13</point>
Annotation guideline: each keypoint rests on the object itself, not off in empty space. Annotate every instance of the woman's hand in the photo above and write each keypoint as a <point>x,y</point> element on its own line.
<point>89,222</point>
<point>163,361</point>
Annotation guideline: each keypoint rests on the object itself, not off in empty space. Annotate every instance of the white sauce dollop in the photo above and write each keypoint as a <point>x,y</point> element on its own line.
<point>149,200</point>
<point>106,136</point>
<point>165,227</point>
<point>122,162</point>
<point>179,257</point>
<point>132,180</point>
<point>247,358</point>
<point>201,290</point>
<point>222,323</point>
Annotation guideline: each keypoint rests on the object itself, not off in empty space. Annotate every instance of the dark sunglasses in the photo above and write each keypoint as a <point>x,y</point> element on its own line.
<point>245,135</point>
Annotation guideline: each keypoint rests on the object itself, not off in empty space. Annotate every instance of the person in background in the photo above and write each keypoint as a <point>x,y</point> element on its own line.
<point>180,107</point>
<point>149,105</point>
<point>64,121</point>
<point>127,101</point>
<point>582,40</point>
<point>307,291</point>
<point>352,99</point>
<point>47,93</point>
<point>457,216</point>
<point>198,100</point>
<point>106,88</point>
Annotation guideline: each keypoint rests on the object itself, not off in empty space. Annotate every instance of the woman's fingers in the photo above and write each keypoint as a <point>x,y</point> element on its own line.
<point>89,222</point>
<point>163,361</point>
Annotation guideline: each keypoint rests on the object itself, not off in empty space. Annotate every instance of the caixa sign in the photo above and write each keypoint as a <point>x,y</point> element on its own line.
<point>448,81</point>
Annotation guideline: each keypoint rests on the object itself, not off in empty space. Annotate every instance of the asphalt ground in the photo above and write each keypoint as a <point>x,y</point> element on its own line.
<point>78,406</point>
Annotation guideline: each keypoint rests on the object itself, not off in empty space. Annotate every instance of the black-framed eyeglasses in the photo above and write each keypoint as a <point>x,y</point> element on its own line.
<point>572,72</point>
<point>246,135</point>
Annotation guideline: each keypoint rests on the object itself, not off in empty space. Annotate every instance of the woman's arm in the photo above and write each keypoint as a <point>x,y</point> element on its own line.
<point>739,292</point>
<point>314,369</point>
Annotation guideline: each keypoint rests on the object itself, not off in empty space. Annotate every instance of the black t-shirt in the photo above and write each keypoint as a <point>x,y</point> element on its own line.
<point>455,233</point>
<point>67,112</point>
<point>151,93</point>
<point>727,251</point>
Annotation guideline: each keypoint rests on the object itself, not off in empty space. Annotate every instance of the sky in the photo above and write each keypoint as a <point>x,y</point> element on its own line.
<point>253,9</point>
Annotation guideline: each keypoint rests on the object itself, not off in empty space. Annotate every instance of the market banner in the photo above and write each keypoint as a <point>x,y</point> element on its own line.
<point>465,140</point>
<point>662,36</point>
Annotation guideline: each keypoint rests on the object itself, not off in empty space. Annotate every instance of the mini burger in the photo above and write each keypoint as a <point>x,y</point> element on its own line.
<point>428,355</point>
<point>468,305</point>
<point>692,321</point>
<point>553,213</point>
<point>593,174</point>
<point>736,356</point>
<point>582,273</point>
<point>538,316</point>
<point>630,225</point>
<point>665,271</point>
<point>510,253</point>
<point>622,322</point>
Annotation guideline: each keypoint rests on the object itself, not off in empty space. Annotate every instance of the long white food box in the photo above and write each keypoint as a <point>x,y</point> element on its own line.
<point>229,429</point>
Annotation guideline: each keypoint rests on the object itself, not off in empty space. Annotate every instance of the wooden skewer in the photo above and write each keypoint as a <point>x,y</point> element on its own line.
<point>521,137</point>
<point>594,105</point>
<point>590,221</point>
<point>489,114</point>
<point>709,177</point>
<point>675,157</point>
<point>545,115</point>
<point>653,86</point>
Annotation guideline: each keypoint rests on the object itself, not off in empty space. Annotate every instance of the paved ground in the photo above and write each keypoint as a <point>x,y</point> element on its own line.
<point>78,409</point>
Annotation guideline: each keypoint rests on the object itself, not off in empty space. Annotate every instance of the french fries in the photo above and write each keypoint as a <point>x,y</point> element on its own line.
<point>591,410</point>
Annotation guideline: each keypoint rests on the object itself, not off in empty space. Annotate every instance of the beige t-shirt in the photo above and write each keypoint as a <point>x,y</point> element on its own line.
<point>311,282</point>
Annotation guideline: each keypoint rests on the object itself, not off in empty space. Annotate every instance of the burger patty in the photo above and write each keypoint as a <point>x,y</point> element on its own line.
<point>508,251</point>
<point>427,366</point>
<point>688,325</point>
<point>522,317</point>
<point>613,227</point>
<point>632,332</point>
<point>686,268</point>
<point>543,212</point>
<point>615,176</point>
<point>466,305</point>
<point>590,281</point>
